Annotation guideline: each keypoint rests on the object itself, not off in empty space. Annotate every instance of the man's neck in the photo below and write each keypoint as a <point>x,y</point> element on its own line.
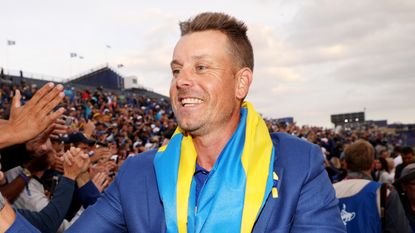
<point>359,175</point>
<point>209,146</point>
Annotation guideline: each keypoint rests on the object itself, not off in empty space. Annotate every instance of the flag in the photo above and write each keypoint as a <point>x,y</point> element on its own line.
<point>11,42</point>
<point>73,55</point>
<point>120,65</point>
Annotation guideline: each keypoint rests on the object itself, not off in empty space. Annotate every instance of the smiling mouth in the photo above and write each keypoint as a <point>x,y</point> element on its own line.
<point>188,102</point>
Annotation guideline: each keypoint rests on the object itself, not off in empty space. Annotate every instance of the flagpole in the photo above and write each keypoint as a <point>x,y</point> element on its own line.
<point>70,61</point>
<point>8,56</point>
<point>106,56</point>
<point>72,55</point>
<point>6,62</point>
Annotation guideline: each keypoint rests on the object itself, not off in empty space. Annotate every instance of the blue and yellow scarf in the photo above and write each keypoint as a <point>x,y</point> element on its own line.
<point>236,188</point>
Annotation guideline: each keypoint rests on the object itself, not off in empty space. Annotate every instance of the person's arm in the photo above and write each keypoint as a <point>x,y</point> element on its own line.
<point>88,194</point>
<point>82,179</point>
<point>50,218</point>
<point>13,189</point>
<point>317,214</point>
<point>90,190</point>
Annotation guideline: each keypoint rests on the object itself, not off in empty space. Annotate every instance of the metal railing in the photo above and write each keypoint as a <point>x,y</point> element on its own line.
<point>32,75</point>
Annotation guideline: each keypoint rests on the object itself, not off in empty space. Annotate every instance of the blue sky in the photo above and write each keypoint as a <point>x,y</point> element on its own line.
<point>312,58</point>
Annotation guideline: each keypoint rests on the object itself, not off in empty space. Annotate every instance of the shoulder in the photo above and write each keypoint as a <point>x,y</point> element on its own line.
<point>296,151</point>
<point>136,173</point>
<point>351,187</point>
<point>300,160</point>
<point>138,164</point>
<point>285,139</point>
<point>286,143</point>
<point>144,157</point>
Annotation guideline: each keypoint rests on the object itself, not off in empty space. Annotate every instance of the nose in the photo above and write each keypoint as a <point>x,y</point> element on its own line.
<point>184,78</point>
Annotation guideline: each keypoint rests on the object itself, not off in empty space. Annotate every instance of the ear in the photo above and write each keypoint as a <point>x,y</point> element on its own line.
<point>243,81</point>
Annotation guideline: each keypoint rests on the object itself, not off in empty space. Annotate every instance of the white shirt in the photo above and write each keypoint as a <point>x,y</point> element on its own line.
<point>37,199</point>
<point>397,160</point>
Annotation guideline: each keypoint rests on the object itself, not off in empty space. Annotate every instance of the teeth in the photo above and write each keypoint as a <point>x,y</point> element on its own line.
<point>191,101</point>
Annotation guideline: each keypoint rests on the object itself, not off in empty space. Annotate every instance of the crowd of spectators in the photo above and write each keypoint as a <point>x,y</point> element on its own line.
<point>393,163</point>
<point>387,146</point>
<point>109,127</point>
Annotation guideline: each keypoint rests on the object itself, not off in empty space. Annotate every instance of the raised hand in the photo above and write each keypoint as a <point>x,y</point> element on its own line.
<point>75,163</point>
<point>29,120</point>
<point>101,180</point>
<point>89,129</point>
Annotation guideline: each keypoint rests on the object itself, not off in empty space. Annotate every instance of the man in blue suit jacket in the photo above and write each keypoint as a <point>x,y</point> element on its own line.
<point>221,171</point>
<point>306,201</point>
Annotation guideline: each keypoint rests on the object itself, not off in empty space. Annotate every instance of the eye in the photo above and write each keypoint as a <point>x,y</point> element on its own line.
<point>200,68</point>
<point>175,71</point>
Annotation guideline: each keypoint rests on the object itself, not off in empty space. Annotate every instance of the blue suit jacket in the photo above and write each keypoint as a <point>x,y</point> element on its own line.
<point>306,201</point>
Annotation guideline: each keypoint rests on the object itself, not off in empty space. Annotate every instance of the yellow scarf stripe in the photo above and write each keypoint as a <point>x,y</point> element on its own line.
<point>256,158</point>
<point>162,148</point>
<point>187,168</point>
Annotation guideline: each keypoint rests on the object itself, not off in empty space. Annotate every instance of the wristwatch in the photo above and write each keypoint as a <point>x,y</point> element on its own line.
<point>2,202</point>
<point>27,173</point>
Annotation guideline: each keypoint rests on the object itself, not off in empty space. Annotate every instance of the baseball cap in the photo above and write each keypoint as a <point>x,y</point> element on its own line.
<point>78,137</point>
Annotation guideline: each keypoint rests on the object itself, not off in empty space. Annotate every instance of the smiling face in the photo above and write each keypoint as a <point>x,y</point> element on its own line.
<point>204,93</point>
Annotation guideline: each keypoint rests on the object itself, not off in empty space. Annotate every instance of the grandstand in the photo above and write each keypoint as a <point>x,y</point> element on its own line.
<point>100,77</point>
<point>103,76</point>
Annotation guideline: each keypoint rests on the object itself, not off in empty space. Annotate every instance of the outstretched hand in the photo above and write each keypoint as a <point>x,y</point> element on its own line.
<point>29,120</point>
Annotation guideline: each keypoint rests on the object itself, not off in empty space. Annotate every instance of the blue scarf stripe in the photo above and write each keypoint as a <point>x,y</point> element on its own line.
<point>223,194</point>
<point>167,170</point>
